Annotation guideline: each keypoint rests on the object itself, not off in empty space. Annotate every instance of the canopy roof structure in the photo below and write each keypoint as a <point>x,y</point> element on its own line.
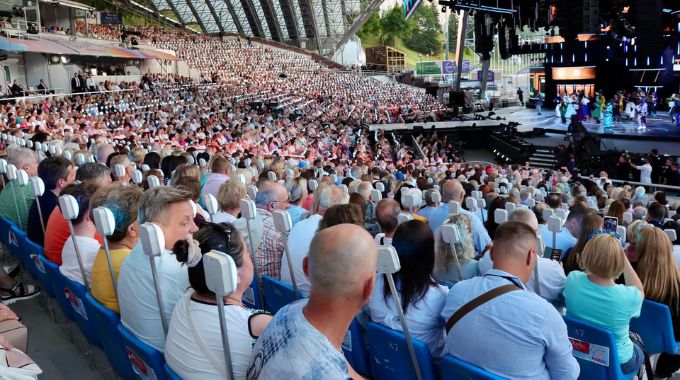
<point>322,25</point>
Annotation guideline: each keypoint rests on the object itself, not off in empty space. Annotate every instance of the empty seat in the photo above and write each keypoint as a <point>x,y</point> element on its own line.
<point>390,358</point>
<point>655,327</point>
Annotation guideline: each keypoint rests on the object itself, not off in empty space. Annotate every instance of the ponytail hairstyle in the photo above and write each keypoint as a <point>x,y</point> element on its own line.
<point>223,237</point>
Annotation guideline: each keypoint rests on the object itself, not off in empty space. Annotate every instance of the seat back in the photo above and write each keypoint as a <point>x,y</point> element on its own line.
<point>655,327</point>
<point>31,249</point>
<point>390,358</point>
<point>54,277</point>
<point>147,362</point>
<point>45,281</point>
<point>250,297</point>
<point>171,375</point>
<point>106,321</point>
<point>5,229</point>
<point>75,294</point>
<point>18,245</point>
<point>277,294</point>
<point>453,368</point>
<point>595,350</point>
<point>355,350</point>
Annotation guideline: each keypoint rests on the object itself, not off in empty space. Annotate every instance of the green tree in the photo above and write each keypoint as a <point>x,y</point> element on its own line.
<point>453,31</point>
<point>425,31</point>
<point>372,27</point>
<point>393,24</point>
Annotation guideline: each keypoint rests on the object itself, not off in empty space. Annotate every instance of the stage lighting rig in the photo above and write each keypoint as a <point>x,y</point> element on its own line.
<point>489,6</point>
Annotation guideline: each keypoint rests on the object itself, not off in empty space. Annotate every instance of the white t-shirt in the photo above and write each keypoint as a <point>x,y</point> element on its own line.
<point>423,318</point>
<point>184,355</point>
<point>88,248</point>
<point>299,240</point>
<point>645,173</point>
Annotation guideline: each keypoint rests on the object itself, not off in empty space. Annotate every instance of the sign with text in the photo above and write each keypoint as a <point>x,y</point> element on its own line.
<point>110,18</point>
<point>489,78</point>
<point>448,67</point>
<point>428,68</point>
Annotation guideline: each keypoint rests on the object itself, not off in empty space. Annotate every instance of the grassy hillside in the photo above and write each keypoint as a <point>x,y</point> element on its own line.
<point>412,56</point>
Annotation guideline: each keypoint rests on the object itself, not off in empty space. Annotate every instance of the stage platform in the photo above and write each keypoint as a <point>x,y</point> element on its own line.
<point>659,128</point>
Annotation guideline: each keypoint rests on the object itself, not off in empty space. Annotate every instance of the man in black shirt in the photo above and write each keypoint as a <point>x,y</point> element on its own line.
<point>56,173</point>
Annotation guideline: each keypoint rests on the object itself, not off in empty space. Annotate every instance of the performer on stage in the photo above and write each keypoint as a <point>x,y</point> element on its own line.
<point>608,115</point>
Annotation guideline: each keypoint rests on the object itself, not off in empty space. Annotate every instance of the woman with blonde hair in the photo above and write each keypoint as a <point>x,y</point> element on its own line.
<point>297,190</point>
<point>594,296</point>
<point>661,279</point>
<point>591,223</point>
<point>444,260</point>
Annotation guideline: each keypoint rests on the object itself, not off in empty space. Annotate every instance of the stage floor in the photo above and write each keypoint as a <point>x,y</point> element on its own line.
<point>659,128</point>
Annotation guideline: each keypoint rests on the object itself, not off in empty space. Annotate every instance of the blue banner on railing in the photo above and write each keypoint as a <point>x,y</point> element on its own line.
<point>109,18</point>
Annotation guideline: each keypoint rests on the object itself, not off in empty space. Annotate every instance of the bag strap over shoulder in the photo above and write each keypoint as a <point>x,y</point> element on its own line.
<point>480,300</point>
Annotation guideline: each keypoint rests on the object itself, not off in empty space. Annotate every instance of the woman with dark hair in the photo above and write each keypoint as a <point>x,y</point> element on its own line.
<point>422,299</point>
<point>169,164</point>
<point>194,344</point>
<point>616,209</point>
<point>490,224</point>
<point>152,159</point>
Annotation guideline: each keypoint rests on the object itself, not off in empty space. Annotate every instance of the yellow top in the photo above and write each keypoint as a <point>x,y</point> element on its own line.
<point>419,217</point>
<point>102,286</point>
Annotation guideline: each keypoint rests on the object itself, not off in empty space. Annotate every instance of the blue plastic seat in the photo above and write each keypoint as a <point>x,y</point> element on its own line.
<point>31,250</point>
<point>595,350</point>
<point>147,362</point>
<point>171,375</point>
<point>54,276</point>
<point>5,228</point>
<point>355,349</point>
<point>390,357</point>
<point>277,294</point>
<point>18,246</point>
<point>655,327</point>
<point>75,293</point>
<point>452,368</point>
<point>45,282</point>
<point>106,321</point>
<point>250,296</point>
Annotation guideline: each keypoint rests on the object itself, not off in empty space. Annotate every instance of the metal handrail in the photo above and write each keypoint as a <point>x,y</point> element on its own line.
<point>622,182</point>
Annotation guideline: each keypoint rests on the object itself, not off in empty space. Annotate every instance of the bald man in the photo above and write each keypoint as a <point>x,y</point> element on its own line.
<point>452,190</point>
<point>551,276</point>
<point>304,339</point>
<point>517,319</point>
<point>387,212</point>
<point>270,197</point>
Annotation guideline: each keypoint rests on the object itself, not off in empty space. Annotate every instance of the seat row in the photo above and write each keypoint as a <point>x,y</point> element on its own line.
<point>376,351</point>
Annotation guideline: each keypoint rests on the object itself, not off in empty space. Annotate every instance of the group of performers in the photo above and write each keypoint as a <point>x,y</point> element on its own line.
<point>632,106</point>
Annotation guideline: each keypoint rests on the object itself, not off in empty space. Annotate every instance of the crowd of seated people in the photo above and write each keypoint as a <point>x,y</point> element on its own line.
<point>213,138</point>
<point>598,269</point>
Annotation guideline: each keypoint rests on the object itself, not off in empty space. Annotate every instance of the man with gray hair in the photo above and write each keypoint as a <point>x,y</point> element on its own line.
<point>551,276</point>
<point>103,151</point>
<point>95,173</point>
<point>301,236</point>
<point>304,339</point>
<point>129,166</point>
<point>639,213</point>
<point>270,197</point>
<point>25,159</point>
<point>170,208</point>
